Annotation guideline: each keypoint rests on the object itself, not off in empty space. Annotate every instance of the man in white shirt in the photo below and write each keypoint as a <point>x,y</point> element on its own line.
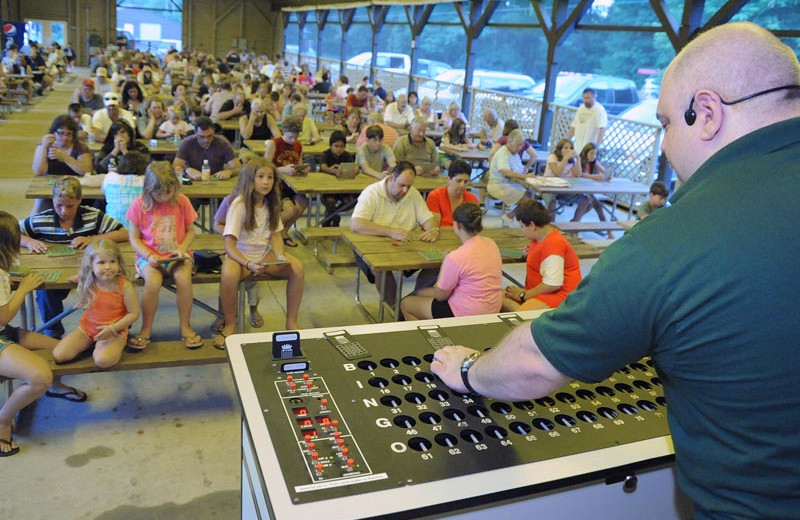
<point>492,128</point>
<point>590,122</point>
<point>394,208</point>
<point>398,114</point>
<point>103,118</point>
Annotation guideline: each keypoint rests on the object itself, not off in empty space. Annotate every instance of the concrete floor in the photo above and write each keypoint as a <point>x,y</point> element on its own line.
<point>162,443</point>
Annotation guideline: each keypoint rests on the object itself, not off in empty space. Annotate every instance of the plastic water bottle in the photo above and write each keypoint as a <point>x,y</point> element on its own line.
<point>205,172</point>
<point>176,140</point>
<point>112,165</point>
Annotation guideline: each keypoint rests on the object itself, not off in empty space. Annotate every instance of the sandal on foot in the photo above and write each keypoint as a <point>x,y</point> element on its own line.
<point>12,451</point>
<point>256,321</point>
<point>192,342</point>
<point>289,241</point>
<point>138,342</point>
<point>218,325</point>
<point>219,340</point>
<point>72,394</point>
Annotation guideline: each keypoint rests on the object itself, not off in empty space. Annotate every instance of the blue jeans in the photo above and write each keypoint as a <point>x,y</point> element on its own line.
<point>51,304</point>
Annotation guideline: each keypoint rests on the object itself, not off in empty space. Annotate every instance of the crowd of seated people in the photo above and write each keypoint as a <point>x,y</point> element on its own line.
<point>131,97</point>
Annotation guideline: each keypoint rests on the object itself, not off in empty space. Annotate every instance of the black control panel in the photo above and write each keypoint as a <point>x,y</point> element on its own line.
<point>364,413</point>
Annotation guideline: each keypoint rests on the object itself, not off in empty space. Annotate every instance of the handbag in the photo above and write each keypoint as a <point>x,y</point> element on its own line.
<point>207,261</point>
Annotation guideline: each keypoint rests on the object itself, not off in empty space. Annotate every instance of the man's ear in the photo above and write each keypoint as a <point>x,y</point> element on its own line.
<point>708,106</point>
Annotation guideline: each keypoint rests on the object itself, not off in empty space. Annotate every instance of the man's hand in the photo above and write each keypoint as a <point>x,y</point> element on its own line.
<point>81,242</point>
<point>432,235</point>
<point>36,246</point>
<point>401,234</point>
<point>447,365</point>
<point>223,175</point>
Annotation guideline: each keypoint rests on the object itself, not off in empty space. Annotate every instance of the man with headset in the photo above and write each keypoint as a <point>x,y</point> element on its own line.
<point>703,287</point>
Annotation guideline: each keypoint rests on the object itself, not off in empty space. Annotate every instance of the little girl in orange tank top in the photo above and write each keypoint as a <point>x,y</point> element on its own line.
<point>111,307</point>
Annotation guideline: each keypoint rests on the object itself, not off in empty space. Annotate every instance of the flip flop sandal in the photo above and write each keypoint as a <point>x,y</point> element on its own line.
<point>220,345</point>
<point>256,321</point>
<point>289,241</point>
<point>218,325</point>
<point>138,342</point>
<point>192,342</point>
<point>79,396</point>
<point>12,451</point>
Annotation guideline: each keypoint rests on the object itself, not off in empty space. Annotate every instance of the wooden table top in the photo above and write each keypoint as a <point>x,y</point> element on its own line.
<point>69,264</point>
<point>471,155</point>
<point>229,124</point>
<point>310,150</point>
<point>162,147</point>
<point>387,254</point>
<point>578,185</point>
<point>41,187</point>
<point>321,183</point>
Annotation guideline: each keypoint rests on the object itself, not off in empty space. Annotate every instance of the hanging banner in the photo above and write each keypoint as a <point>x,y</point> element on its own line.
<point>13,32</point>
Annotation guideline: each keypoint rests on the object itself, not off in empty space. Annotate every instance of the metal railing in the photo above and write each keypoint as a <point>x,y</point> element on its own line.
<point>629,149</point>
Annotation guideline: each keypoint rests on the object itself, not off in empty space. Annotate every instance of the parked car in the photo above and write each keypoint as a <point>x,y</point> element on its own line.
<point>614,93</point>
<point>505,82</point>
<point>396,62</point>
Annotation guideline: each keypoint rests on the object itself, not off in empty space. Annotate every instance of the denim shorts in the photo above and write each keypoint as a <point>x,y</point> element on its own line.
<point>8,335</point>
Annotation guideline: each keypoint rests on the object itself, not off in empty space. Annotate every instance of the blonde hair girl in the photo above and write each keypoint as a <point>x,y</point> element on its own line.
<point>110,304</point>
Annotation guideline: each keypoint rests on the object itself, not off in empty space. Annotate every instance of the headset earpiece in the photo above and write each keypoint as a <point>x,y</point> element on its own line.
<point>690,116</point>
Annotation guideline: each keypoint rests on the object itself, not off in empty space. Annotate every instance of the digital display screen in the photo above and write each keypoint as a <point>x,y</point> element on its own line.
<point>295,366</point>
<point>286,336</point>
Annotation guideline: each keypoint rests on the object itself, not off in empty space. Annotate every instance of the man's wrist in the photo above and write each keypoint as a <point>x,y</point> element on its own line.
<point>466,365</point>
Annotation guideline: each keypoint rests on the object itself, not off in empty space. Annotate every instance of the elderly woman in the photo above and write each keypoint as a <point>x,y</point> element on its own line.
<point>507,177</point>
<point>453,112</point>
<point>426,110</point>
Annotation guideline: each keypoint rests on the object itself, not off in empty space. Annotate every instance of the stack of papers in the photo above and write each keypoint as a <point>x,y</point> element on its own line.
<point>548,182</point>
<point>509,252</point>
<point>60,251</point>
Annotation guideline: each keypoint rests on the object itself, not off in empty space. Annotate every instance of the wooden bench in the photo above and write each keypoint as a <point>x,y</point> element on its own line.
<point>158,354</point>
<point>581,227</point>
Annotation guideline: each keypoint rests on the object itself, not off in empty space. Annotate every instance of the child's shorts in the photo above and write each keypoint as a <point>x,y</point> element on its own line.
<point>8,335</point>
<point>142,262</point>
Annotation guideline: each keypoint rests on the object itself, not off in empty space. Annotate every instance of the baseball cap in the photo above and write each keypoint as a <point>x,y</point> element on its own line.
<point>110,98</point>
<point>88,83</point>
<point>101,72</point>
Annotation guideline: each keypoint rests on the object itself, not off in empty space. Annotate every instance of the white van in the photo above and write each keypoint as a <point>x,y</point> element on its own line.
<point>396,62</point>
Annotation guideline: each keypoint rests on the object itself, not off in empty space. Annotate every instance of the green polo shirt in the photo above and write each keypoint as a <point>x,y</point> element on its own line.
<point>709,287</point>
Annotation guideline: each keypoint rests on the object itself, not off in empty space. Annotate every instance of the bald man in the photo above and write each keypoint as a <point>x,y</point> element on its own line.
<point>703,287</point>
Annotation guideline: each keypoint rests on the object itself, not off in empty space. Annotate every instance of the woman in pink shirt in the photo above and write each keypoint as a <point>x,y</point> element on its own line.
<point>470,277</point>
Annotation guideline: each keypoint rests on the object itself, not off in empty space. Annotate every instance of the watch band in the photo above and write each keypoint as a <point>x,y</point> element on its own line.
<point>465,366</point>
<point>522,296</point>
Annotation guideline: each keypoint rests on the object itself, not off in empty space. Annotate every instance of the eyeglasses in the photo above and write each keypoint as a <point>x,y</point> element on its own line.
<point>64,133</point>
